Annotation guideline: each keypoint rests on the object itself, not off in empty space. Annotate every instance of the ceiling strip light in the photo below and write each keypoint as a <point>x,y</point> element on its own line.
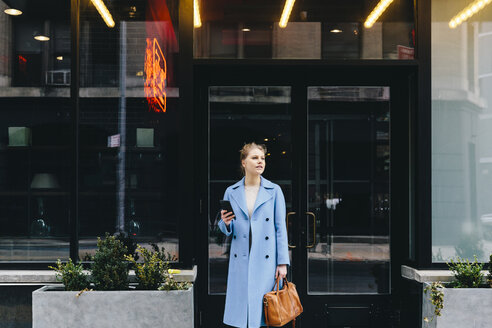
<point>104,12</point>
<point>468,12</point>
<point>286,13</point>
<point>197,22</point>
<point>376,12</point>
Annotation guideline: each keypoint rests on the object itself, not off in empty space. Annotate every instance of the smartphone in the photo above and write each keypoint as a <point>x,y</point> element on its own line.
<point>226,205</point>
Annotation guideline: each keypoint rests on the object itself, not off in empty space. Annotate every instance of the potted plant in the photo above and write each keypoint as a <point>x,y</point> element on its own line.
<point>461,303</point>
<point>156,300</point>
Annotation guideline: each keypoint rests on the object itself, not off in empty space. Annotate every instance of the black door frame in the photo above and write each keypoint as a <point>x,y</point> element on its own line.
<point>401,78</point>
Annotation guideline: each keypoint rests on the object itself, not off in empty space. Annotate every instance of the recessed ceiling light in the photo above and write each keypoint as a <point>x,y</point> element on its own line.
<point>59,58</point>
<point>336,30</point>
<point>42,38</point>
<point>246,30</point>
<point>13,12</point>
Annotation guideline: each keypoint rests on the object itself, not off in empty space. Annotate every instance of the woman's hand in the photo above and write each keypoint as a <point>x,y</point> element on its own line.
<point>281,271</point>
<point>226,216</point>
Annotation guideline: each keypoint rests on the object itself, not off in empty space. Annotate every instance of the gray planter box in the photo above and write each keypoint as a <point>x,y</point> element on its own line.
<point>463,307</point>
<point>54,308</point>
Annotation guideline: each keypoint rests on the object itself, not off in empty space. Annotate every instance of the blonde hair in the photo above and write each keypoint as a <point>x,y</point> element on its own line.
<point>243,153</point>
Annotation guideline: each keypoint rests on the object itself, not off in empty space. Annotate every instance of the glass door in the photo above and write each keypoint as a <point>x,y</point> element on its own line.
<point>239,115</point>
<point>340,155</point>
<point>346,252</point>
<point>348,247</point>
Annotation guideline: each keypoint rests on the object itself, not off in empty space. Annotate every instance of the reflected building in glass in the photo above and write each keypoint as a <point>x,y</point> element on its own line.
<point>461,156</point>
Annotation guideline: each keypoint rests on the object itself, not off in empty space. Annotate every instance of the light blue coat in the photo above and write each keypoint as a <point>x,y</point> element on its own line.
<point>252,273</point>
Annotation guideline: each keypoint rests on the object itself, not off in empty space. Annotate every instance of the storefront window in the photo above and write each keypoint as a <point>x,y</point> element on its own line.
<point>313,30</point>
<point>129,124</point>
<point>461,130</point>
<point>35,122</point>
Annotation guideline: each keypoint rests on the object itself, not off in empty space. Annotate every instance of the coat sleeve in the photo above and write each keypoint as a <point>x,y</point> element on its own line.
<point>281,229</point>
<point>227,230</point>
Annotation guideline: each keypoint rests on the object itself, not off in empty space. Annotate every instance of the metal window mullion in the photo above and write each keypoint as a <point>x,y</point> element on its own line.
<point>74,98</point>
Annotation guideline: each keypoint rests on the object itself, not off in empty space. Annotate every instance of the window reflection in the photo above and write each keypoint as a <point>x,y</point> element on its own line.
<point>35,121</point>
<point>315,30</point>
<point>348,190</point>
<point>128,168</point>
<point>461,132</point>
<point>128,125</point>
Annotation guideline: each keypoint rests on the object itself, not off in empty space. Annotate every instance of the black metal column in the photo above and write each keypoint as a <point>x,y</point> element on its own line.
<point>188,209</point>
<point>423,134</point>
<point>74,96</point>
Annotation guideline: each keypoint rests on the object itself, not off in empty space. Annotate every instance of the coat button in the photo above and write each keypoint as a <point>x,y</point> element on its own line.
<point>267,256</point>
<point>267,219</point>
<point>235,255</point>
<point>234,237</point>
<point>266,238</point>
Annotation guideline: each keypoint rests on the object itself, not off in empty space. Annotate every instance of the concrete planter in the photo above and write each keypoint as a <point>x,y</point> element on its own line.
<point>463,307</point>
<point>54,308</point>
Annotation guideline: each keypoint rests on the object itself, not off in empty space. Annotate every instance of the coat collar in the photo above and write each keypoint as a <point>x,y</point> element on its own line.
<point>264,194</point>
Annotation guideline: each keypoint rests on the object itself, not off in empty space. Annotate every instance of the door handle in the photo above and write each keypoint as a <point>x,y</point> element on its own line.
<point>287,223</point>
<point>314,229</point>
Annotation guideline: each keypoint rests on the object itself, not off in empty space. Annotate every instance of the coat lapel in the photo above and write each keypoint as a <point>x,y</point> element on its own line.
<point>239,196</point>
<point>265,193</point>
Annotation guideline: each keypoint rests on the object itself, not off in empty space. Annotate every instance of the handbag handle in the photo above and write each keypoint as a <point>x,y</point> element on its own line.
<point>277,284</point>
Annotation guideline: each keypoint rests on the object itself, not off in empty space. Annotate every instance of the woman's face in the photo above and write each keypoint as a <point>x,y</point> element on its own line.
<point>254,163</point>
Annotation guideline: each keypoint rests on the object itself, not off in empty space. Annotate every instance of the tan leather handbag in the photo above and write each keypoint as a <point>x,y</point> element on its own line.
<point>282,306</point>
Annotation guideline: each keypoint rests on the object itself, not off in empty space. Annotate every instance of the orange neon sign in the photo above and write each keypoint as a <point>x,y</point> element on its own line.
<point>155,76</point>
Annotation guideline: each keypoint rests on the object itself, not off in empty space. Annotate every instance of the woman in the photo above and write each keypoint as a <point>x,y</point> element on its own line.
<point>259,251</point>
